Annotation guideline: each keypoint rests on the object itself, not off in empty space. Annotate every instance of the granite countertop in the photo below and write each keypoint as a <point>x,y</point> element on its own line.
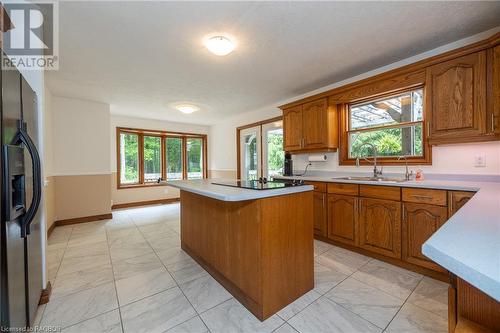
<point>227,193</point>
<point>468,244</point>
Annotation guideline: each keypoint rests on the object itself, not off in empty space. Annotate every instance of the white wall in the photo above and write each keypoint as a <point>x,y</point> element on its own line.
<point>140,123</point>
<point>81,132</point>
<point>456,159</point>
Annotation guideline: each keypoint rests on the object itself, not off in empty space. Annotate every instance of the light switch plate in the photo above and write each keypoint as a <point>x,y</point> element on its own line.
<point>480,161</point>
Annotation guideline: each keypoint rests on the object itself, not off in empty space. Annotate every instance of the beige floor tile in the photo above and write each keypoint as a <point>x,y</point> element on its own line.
<point>285,328</point>
<point>397,282</point>
<point>300,304</point>
<point>87,240</point>
<point>157,313</point>
<point>106,323</point>
<point>325,278</point>
<point>325,316</point>
<point>194,325</point>
<point>172,256</point>
<point>413,319</point>
<point>431,295</point>
<point>75,308</point>
<point>186,270</point>
<point>342,260</point>
<point>70,265</point>
<point>321,247</point>
<point>129,267</point>
<point>205,293</point>
<point>82,251</point>
<point>127,250</point>
<point>368,302</point>
<point>73,282</point>
<point>143,285</point>
<point>231,316</point>
<point>161,244</point>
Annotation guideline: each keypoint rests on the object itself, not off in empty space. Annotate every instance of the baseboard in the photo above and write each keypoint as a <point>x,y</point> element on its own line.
<point>45,296</point>
<point>146,203</point>
<point>84,219</point>
<point>51,228</point>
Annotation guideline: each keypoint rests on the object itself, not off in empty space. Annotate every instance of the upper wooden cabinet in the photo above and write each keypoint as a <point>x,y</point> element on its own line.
<point>292,128</point>
<point>380,226</point>
<point>311,126</point>
<point>456,99</point>
<point>494,82</point>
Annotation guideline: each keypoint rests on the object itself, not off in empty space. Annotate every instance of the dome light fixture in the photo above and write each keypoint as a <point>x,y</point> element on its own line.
<point>187,108</point>
<point>219,45</point>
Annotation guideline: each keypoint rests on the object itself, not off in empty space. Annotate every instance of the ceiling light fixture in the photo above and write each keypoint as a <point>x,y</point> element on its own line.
<point>187,108</point>
<point>219,45</point>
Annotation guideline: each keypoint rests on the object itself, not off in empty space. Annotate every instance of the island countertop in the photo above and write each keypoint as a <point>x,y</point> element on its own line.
<point>227,193</point>
<point>468,244</point>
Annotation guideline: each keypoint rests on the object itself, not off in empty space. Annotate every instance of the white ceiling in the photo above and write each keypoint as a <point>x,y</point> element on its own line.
<point>141,57</point>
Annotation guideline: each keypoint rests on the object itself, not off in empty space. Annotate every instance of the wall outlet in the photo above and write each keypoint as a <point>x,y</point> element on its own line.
<point>480,161</point>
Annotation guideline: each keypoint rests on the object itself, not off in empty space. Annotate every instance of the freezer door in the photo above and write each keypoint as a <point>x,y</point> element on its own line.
<point>13,260</point>
<point>34,240</point>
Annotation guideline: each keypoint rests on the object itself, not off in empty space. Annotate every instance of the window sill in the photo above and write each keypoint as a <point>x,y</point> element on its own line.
<point>387,161</point>
<point>128,186</point>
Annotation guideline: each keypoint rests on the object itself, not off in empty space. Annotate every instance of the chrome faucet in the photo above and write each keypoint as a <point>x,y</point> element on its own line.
<point>376,171</point>
<point>407,173</point>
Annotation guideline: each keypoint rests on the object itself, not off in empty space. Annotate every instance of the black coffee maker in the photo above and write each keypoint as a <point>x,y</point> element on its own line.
<point>288,168</point>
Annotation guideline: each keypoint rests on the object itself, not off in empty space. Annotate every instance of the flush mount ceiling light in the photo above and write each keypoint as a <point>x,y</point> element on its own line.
<point>219,45</point>
<point>187,108</point>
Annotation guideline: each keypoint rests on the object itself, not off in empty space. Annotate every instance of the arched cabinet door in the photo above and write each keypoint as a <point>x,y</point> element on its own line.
<point>420,222</point>
<point>380,226</point>
<point>343,218</point>
<point>456,99</point>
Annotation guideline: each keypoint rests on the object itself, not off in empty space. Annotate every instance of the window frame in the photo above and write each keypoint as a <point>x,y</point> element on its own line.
<point>345,159</point>
<point>141,133</point>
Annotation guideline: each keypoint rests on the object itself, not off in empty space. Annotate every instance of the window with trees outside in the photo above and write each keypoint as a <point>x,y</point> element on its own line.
<point>145,156</point>
<point>393,124</point>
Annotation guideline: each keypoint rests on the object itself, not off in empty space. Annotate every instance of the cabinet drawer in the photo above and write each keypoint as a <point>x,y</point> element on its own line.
<point>318,186</point>
<point>424,195</point>
<point>341,188</point>
<point>380,192</point>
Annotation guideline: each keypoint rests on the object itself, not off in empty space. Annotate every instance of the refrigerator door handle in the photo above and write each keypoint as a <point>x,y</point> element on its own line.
<point>23,137</point>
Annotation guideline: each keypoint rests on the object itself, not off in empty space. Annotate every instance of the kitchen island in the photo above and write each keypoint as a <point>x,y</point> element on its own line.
<point>257,243</point>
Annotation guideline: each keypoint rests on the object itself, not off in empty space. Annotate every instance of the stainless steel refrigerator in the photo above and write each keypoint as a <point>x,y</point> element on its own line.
<point>20,169</point>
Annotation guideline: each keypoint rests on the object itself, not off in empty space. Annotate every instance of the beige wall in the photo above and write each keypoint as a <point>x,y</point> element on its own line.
<point>50,201</point>
<point>128,195</point>
<point>82,195</point>
<point>77,163</point>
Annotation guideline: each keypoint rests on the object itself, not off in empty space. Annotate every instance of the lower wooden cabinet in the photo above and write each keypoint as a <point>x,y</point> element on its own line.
<point>456,200</point>
<point>380,226</point>
<point>343,218</point>
<point>420,222</point>
<point>320,213</point>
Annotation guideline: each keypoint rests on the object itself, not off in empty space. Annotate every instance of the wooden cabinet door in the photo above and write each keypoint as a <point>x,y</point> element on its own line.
<point>456,200</point>
<point>456,98</point>
<point>420,222</point>
<point>495,103</point>
<point>315,124</point>
<point>343,218</point>
<point>380,226</point>
<point>320,214</point>
<point>292,128</point>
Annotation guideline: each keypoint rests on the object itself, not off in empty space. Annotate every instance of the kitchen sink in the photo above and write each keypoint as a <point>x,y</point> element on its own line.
<point>373,179</point>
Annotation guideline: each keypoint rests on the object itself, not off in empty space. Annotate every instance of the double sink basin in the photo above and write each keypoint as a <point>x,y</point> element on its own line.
<point>374,179</point>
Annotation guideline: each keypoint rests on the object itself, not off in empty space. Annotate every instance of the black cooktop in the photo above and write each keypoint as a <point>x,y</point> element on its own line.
<point>261,184</point>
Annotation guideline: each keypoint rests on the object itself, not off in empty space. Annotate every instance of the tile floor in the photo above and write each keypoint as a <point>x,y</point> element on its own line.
<point>129,274</point>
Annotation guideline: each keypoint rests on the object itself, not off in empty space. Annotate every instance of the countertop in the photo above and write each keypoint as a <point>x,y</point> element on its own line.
<point>468,244</point>
<point>227,193</point>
